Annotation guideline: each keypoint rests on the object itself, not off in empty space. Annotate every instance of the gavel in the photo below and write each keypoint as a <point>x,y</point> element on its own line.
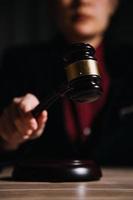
<point>83,81</point>
<point>82,84</point>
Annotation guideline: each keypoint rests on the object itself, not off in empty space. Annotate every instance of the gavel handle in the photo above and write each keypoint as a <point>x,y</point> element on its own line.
<point>49,100</point>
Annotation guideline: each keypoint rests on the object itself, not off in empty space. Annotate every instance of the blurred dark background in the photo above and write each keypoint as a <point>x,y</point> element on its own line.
<point>27,21</point>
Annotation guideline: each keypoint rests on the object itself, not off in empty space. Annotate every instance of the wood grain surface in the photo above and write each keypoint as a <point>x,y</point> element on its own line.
<point>116,184</point>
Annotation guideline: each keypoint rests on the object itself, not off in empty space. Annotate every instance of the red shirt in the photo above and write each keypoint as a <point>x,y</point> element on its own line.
<point>87,111</point>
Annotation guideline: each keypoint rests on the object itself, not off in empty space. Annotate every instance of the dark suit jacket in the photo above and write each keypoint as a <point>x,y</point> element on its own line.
<point>38,69</point>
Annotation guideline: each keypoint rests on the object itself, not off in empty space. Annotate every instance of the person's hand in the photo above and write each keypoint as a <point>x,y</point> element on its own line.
<point>17,123</point>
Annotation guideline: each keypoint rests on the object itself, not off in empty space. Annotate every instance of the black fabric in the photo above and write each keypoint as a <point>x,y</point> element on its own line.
<point>38,69</point>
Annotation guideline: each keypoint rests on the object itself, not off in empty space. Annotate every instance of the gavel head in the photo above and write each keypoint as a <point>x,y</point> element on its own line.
<point>82,73</point>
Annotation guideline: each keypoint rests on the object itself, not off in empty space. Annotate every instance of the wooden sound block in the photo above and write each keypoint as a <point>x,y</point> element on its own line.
<point>57,171</point>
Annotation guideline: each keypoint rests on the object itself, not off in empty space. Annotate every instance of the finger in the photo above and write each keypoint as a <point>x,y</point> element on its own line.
<point>26,126</point>
<point>28,102</point>
<point>17,100</point>
<point>42,119</point>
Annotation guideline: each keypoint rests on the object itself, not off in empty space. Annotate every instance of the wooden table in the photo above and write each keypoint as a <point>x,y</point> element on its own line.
<point>116,184</point>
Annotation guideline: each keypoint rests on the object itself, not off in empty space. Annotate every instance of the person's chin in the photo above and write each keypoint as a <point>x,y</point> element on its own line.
<point>82,31</point>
